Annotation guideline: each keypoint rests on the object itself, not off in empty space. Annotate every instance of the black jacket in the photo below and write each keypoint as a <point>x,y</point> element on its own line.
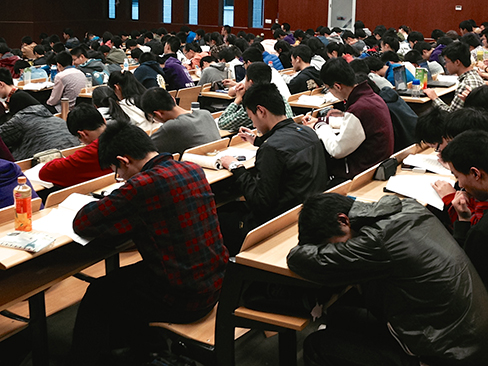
<point>290,164</point>
<point>423,284</point>
<point>306,79</point>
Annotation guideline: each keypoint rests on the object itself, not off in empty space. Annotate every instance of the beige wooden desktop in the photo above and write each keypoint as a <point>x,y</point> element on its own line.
<point>293,100</point>
<point>21,84</point>
<point>205,92</point>
<point>439,91</point>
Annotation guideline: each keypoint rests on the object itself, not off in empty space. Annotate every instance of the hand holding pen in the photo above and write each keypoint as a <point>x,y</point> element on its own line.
<point>247,135</point>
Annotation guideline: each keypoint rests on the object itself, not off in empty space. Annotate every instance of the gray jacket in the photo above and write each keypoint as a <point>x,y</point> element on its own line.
<point>35,129</point>
<point>215,72</point>
<point>414,274</point>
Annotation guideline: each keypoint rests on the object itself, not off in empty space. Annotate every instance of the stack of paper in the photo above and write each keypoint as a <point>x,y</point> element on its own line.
<point>427,162</point>
<point>38,86</point>
<point>33,175</point>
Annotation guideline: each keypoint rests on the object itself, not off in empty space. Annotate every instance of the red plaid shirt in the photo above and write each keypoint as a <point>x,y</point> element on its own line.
<point>169,210</point>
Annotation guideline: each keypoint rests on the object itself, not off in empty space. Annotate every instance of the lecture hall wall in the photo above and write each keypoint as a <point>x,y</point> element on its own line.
<point>31,17</point>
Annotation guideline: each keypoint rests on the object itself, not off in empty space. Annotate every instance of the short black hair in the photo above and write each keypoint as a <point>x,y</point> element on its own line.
<point>156,99</point>
<point>458,51</point>
<point>431,126</point>
<point>6,76</point>
<point>415,37</point>
<point>20,65</point>
<point>337,47</point>
<point>116,41</point>
<point>64,59</point>
<point>360,33</point>
<point>413,56</point>
<point>358,24</point>
<point>471,40</point>
<point>259,72</point>
<point>467,150</point>
<point>20,100</point>
<point>185,28</point>
<point>374,63</point>
<point>286,27</point>
<point>302,51</point>
<point>121,138</point>
<point>215,36</point>
<point>227,54</point>
<point>279,33</point>
<point>258,45</point>
<point>390,56</point>
<point>359,66</point>
<point>130,43</point>
<point>466,24</point>
<point>193,47</point>
<point>39,50</point>
<point>318,220</point>
<point>266,95</point>
<point>227,28</point>
<point>54,38</point>
<point>136,53</point>
<point>252,54</point>
<point>149,35</point>
<point>84,117</point>
<point>68,31</point>
<point>465,119</point>
<point>174,43</point>
<point>392,42</point>
<point>78,51</point>
<point>27,40</point>
<point>422,46</point>
<point>200,32</point>
<point>348,34</point>
<point>337,70</point>
<point>436,34</point>
<point>477,98</point>
<point>58,47</point>
<point>444,40</point>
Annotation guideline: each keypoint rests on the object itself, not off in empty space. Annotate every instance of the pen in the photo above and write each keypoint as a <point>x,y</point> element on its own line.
<point>250,134</point>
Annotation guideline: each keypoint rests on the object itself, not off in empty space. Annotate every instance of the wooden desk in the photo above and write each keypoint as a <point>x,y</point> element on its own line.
<point>303,108</point>
<point>420,105</point>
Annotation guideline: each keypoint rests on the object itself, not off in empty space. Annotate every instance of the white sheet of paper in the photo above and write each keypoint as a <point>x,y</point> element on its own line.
<point>427,162</point>
<point>235,152</point>
<point>38,86</point>
<point>418,187</point>
<point>33,175</point>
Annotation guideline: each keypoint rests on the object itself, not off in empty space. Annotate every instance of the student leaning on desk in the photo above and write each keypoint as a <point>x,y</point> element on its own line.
<point>424,303</point>
<point>168,210</point>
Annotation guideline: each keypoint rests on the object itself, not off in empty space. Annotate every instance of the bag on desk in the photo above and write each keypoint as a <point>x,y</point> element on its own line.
<point>45,156</point>
<point>386,169</point>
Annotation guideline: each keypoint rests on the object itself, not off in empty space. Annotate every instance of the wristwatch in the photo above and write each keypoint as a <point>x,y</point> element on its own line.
<point>234,165</point>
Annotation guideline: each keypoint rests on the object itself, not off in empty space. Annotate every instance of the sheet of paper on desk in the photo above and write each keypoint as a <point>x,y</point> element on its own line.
<point>33,175</point>
<point>427,162</point>
<point>418,187</point>
<point>450,78</point>
<point>60,220</point>
<point>38,86</point>
<point>317,99</point>
<point>235,152</point>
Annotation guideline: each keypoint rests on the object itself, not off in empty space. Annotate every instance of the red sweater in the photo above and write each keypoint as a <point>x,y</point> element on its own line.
<point>79,167</point>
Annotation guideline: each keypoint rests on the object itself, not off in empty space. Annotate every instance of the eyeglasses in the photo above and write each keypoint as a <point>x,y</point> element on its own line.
<point>438,147</point>
<point>117,178</point>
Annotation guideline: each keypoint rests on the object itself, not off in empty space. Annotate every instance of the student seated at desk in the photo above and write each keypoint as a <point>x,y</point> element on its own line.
<point>181,129</point>
<point>392,60</point>
<point>9,172</point>
<point>307,77</point>
<point>33,128</point>
<point>181,273</point>
<point>211,71</point>
<point>94,67</point>
<point>193,52</point>
<point>67,84</point>
<point>8,59</point>
<point>290,164</point>
<point>467,156</point>
<point>7,89</point>
<point>235,114</point>
<point>424,303</point>
<point>458,62</point>
<point>149,73</point>
<point>366,134</point>
<point>87,124</point>
<point>36,73</point>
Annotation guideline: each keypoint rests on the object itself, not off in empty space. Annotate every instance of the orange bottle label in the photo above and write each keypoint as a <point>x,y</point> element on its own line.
<point>23,213</point>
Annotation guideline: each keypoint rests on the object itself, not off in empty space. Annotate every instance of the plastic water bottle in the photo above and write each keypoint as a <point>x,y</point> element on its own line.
<point>416,88</point>
<point>54,71</point>
<point>195,106</point>
<point>27,75</point>
<point>270,63</point>
<point>126,64</point>
<point>89,81</point>
<point>23,205</point>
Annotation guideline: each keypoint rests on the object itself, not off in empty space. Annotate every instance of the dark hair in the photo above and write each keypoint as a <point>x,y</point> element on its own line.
<point>132,90</point>
<point>466,24</point>
<point>469,149</point>
<point>226,54</point>
<point>39,50</point>
<point>392,42</point>
<point>149,35</point>
<point>422,46</point>
<point>458,51</point>
<point>156,99</point>
<point>430,126</point>
<point>208,59</point>
<point>58,47</point>
<point>174,43</point>
<point>27,40</point>
<point>359,66</point>
<point>471,40</point>
<point>185,28</point>
<point>242,44</point>
<point>161,31</point>
<point>465,119</point>
<point>4,48</point>
<point>103,96</point>
<point>20,65</point>
<point>358,24</point>
<point>250,37</point>
<point>123,33</point>
<point>286,27</point>
<point>241,34</point>
<point>121,138</point>
<point>337,70</point>
<point>444,40</point>
<point>136,53</point>
<point>360,33</point>
<point>64,59</point>
<point>413,56</point>
<point>130,43</point>
<point>182,36</point>
<point>54,38</point>
<point>317,47</point>
<point>200,32</point>
<point>348,34</point>
<point>390,56</point>
<point>258,73</point>
<point>195,47</point>
<point>133,34</point>
<point>299,33</point>
<point>258,45</point>
<point>227,28</point>
<point>379,30</point>
<point>20,100</point>
<point>68,31</point>
<point>279,33</point>
<point>252,54</point>
<point>116,41</point>
<point>405,28</point>
<point>318,220</point>
<point>334,46</point>
<point>6,76</point>
<point>215,36</point>
<point>436,34</point>
<point>84,117</point>
<point>310,32</point>
<point>477,98</point>
<point>231,39</point>
<point>284,46</point>
<point>104,49</point>
<point>302,51</point>
<point>266,95</point>
<point>415,37</point>
<point>147,56</point>
<point>78,51</point>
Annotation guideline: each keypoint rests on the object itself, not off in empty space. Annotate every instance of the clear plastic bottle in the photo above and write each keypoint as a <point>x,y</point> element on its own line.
<point>126,64</point>
<point>88,82</point>
<point>54,71</point>
<point>27,75</point>
<point>416,88</point>
<point>23,205</point>
<point>270,63</point>
<point>195,106</point>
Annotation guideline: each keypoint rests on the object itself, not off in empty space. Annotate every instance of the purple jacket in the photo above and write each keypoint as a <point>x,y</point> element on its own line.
<point>176,75</point>
<point>434,56</point>
<point>290,39</point>
<point>9,172</point>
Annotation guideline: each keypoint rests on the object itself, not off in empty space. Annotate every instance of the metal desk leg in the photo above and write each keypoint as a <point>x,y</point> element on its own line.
<point>38,327</point>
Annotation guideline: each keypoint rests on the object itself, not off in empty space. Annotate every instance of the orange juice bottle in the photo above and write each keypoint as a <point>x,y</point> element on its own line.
<point>23,206</point>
